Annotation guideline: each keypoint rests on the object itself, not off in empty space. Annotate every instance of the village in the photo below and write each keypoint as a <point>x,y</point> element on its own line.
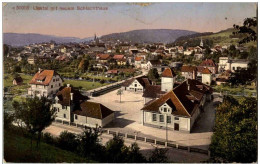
<point>149,91</point>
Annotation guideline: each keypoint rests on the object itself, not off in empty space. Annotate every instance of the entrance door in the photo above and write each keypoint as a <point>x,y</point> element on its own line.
<point>176,126</point>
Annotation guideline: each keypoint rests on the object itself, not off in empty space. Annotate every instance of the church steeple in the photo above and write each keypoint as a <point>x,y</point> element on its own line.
<point>201,42</point>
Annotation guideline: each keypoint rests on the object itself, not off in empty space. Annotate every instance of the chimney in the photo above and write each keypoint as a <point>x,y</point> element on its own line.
<point>193,74</point>
<point>71,96</point>
<point>68,85</point>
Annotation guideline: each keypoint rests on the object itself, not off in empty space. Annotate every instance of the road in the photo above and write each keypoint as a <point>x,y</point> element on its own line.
<point>174,155</point>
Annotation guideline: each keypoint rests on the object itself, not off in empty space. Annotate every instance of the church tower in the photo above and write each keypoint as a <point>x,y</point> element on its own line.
<point>201,42</point>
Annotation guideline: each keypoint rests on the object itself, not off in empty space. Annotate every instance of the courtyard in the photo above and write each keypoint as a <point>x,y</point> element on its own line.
<point>128,120</point>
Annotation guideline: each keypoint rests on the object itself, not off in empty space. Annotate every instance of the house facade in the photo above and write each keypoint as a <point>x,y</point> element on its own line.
<point>45,83</point>
<point>136,84</point>
<point>189,72</point>
<point>225,63</point>
<point>71,106</point>
<point>179,108</point>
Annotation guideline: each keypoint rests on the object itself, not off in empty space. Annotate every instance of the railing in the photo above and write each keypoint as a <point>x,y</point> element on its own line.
<point>169,144</point>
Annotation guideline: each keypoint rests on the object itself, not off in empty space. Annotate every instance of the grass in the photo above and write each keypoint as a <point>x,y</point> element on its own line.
<point>8,79</point>
<point>86,85</point>
<point>17,149</point>
<point>234,90</point>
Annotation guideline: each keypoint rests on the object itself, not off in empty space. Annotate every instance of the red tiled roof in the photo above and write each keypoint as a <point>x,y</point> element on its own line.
<point>184,99</point>
<point>206,71</point>
<point>138,58</point>
<point>104,56</point>
<point>186,68</point>
<point>168,72</point>
<point>118,57</point>
<point>93,110</point>
<point>208,63</point>
<point>153,91</point>
<point>45,76</point>
<point>64,96</point>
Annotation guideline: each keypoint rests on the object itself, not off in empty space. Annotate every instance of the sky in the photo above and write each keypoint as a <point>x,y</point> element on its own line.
<point>121,17</point>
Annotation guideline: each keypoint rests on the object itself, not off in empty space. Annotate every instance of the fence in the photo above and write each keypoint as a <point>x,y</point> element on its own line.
<point>169,144</point>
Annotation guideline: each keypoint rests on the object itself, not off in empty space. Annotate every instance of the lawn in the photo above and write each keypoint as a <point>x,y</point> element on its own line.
<point>18,149</point>
<point>86,85</point>
<point>8,79</point>
<point>234,90</point>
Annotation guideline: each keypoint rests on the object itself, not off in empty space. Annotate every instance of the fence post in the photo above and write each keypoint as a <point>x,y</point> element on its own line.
<point>188,149</point>
<point>144,139</point>
<point>126,135</point>
<point>155,141</point>
<point>135,137</point>
<point>166,144</point>
<point>62,122</point>
<point>117,133</point>
<point>177,146</point>
<point>107,131</point>
<point>76,125</point>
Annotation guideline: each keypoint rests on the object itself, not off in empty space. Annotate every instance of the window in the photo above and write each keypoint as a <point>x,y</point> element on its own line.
<point>233,68</point>
<point>58,109</point>
<point>64,115</point>
<point>59,84</point>
<point>76,117</point>
<point>165,109</point>
<point>53,80</point>
<point>176,118</point>
<point>63,107</point>
<point>135,85</point>
<point>161,118</point>
<point>169,119</point>
<point>51,86</point>
<point>154,117</point>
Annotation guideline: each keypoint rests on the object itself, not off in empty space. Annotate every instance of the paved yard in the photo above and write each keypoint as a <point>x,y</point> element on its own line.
<point>128,120</point>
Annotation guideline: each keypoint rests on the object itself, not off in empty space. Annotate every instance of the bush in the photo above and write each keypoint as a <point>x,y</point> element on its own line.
<point>48,138</point>
<point>68,141</point>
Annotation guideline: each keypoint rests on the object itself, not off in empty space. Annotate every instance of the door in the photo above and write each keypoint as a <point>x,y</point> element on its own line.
<point>176,126</point>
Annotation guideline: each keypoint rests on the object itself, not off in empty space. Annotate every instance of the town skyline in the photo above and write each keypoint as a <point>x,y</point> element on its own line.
<point>87,19</point>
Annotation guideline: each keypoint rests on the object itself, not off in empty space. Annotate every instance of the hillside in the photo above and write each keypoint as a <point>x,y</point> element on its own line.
<point>147,36</point>
<point>16,39</point>
<point>224,37</point>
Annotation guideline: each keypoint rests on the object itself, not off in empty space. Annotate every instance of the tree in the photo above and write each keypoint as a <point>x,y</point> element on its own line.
<point>35,113</point>
<point>8,120</point>
<point>68,141</point>
<point>235,132</point>
<point>134,154</point>
<point>119,92</point>
<point>153,74</point>
<point>116,150</point>
<point>158,156</point>
<point>89,144</point>
<point>249,28</point>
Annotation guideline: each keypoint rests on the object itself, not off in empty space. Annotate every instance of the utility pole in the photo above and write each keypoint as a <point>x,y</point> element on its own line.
<point>166,130</point>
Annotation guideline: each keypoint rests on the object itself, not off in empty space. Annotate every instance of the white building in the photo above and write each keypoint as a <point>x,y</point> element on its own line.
<point>136,84</point>
<point>179,108</point>
<point>225,63</point>
<point>72,107</point>
<point>206,76</point>
<point>45,83</point>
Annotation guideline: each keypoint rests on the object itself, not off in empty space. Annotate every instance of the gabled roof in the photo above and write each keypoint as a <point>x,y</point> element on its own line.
<point>93,110</point>
<point>168,72</point>
<point>208,63</point>
<point>185,98</point>
<point>118,57</point>
<point>45,76</point>
<point>186,68</point>
<point>104,56</point>
<point>64,96</point>
<point>153,91</point>
<point>143,80</point>
<point>138,58</point>
<point>155,62</point>
<point>18,79</point>
<point>206,71</point>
